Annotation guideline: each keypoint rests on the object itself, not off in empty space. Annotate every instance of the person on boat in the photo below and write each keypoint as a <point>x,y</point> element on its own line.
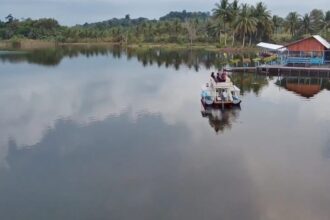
<point>213,77</point>
<point>218,77</point>
<point>223,76</point>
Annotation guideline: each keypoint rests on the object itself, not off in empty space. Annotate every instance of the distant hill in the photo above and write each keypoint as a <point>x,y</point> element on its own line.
<point>184,15</point>
<point>127,21</point>
<point>114,22</point>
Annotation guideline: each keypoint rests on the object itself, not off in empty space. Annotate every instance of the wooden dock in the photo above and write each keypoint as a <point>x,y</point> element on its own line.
<point>241,69</point>
<point>273,70</point>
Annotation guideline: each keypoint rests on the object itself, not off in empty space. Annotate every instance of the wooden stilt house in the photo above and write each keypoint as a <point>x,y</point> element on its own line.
<point>313,50</point>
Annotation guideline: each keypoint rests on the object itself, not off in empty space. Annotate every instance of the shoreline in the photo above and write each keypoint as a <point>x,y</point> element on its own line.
<point>27,45</point>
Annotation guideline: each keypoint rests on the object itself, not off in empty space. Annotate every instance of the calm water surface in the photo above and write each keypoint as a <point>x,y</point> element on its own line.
<point>110,134</point>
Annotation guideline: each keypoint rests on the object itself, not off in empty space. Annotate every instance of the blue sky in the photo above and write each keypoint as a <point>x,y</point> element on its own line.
<point>70,12</point>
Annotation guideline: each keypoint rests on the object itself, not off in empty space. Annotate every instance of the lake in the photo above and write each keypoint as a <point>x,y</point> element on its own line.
<point>108,133</point>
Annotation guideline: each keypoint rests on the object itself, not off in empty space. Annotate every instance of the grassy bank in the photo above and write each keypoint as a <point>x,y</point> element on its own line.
<point>26,44</point>
<point>40,44</point>
<point>208,47</point>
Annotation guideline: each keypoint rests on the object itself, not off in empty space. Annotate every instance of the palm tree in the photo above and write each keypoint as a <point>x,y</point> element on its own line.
<point>277,22</point>
<point>167,27</point>
<point>245,23</point>
<point>324,23</point>
<point>327,20</point>
<point>158,29</point>
<point>264,21</point>
<point>306,24</point>
<point>176,27</point>
<point>292,22</point>
<point>317,20</point>
<point>222,12</point>
<point>215,28</point>
<point>209,29</point>
<point>191,27</point>
<point>234,8</point>
<point>9,18</point>
<point>327,16</point>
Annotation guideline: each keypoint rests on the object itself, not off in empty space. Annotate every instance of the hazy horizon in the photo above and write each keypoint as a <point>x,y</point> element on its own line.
<point>71,12</point>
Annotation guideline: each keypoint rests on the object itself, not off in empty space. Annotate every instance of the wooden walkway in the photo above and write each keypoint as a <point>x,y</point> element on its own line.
<point>271,69</point>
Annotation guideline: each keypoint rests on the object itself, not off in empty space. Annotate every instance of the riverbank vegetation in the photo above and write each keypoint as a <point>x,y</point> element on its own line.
<point>228,24</point>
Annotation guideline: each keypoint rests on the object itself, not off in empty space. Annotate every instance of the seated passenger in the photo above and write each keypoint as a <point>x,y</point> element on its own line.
<point>223,77</point>
<point>218,77</point>
<point>213,77</point>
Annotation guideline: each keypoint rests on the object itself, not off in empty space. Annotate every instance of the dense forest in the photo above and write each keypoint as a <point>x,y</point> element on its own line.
<point>229,24</point>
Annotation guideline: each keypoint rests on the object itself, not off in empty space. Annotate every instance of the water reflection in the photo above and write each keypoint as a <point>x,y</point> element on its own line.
<point>221,119</point>
<point>194,59</point>
<point>89,89</point>
<point>49,57</point>
<point>121,169</point>
<point>248,82</point>
<point>103,137</point>
<point>304,86</point>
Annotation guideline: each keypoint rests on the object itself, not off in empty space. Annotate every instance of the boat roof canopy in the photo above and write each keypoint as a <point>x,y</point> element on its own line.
<point>271,47</point>
<point>228,85</point>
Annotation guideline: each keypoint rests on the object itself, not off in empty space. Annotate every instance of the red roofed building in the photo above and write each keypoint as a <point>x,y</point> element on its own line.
<point>311,50</point>
<point>313,43</point>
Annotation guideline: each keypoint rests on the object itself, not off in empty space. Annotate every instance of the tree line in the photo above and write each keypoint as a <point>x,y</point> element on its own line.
<point>229,24</point>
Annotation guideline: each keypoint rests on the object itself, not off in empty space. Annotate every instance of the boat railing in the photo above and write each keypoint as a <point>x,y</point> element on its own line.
<point>222,85</point>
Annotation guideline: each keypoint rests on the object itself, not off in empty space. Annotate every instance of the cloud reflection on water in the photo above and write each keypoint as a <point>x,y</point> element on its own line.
<point>96,137</point>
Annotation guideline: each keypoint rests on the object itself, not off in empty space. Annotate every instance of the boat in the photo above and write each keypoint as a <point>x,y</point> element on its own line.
<point>220,92</point>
